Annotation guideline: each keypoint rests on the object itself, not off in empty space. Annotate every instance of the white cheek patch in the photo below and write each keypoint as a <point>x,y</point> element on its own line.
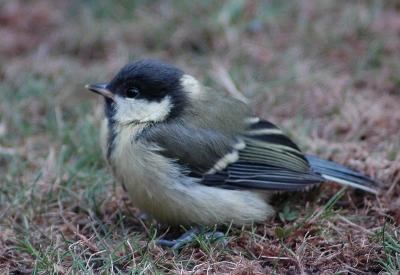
<point>191,85</point>
<point>141,110</point>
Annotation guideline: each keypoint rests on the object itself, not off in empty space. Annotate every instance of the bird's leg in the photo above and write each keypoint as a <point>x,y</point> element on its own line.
<point>189,236</point>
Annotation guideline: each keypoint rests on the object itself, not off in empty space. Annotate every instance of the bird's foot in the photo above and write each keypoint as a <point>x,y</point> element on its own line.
<point>190,236</point>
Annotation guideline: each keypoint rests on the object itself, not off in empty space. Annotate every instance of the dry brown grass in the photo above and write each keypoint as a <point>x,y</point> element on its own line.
<point>326,72</point>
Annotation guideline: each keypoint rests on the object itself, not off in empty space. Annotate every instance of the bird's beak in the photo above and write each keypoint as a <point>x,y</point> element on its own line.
<point>100,88</point>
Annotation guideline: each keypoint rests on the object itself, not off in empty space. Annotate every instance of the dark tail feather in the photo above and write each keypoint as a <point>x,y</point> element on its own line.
<point>341,174</point>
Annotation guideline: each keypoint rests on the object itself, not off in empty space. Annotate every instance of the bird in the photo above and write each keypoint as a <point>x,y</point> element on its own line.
<point>190,155</point>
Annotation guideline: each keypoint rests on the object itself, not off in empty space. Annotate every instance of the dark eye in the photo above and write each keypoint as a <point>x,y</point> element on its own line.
<point>132,92</point>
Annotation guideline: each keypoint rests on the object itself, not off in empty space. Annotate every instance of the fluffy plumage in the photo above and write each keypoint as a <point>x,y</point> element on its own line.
<point>188,154</point>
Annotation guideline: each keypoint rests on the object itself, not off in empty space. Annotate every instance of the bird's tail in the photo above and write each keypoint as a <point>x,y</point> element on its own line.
<point>338,173</point>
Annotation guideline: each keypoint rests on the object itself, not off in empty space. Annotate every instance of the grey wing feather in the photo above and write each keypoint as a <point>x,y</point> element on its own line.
<point>341,174</point>
<point>270,161</point>
<point>266,144</point>
<point>247,175</point>
<point>195,148</point>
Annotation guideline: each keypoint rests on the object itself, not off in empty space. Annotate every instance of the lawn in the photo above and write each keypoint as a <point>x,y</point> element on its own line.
<point>326,72</point>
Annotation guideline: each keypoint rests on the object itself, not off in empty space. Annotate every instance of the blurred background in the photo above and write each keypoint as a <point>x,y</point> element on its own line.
<point>327,72</point>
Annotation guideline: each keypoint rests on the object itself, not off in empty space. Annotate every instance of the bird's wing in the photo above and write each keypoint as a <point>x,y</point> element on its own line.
<point>269,161</point>
<point>198,149</point>
<point>262,157</point>
<point>272,161</point>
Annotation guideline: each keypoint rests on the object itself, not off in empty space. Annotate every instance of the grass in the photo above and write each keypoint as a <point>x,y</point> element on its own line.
<point>326,72</point>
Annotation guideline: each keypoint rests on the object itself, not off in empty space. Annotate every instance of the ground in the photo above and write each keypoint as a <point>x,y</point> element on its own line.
<point>326,72</point>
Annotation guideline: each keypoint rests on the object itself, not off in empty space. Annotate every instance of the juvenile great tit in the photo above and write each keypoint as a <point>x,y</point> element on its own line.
<point>190,155</point>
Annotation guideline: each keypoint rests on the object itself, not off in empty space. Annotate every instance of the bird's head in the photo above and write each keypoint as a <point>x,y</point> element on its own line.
<point>144,91</point>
